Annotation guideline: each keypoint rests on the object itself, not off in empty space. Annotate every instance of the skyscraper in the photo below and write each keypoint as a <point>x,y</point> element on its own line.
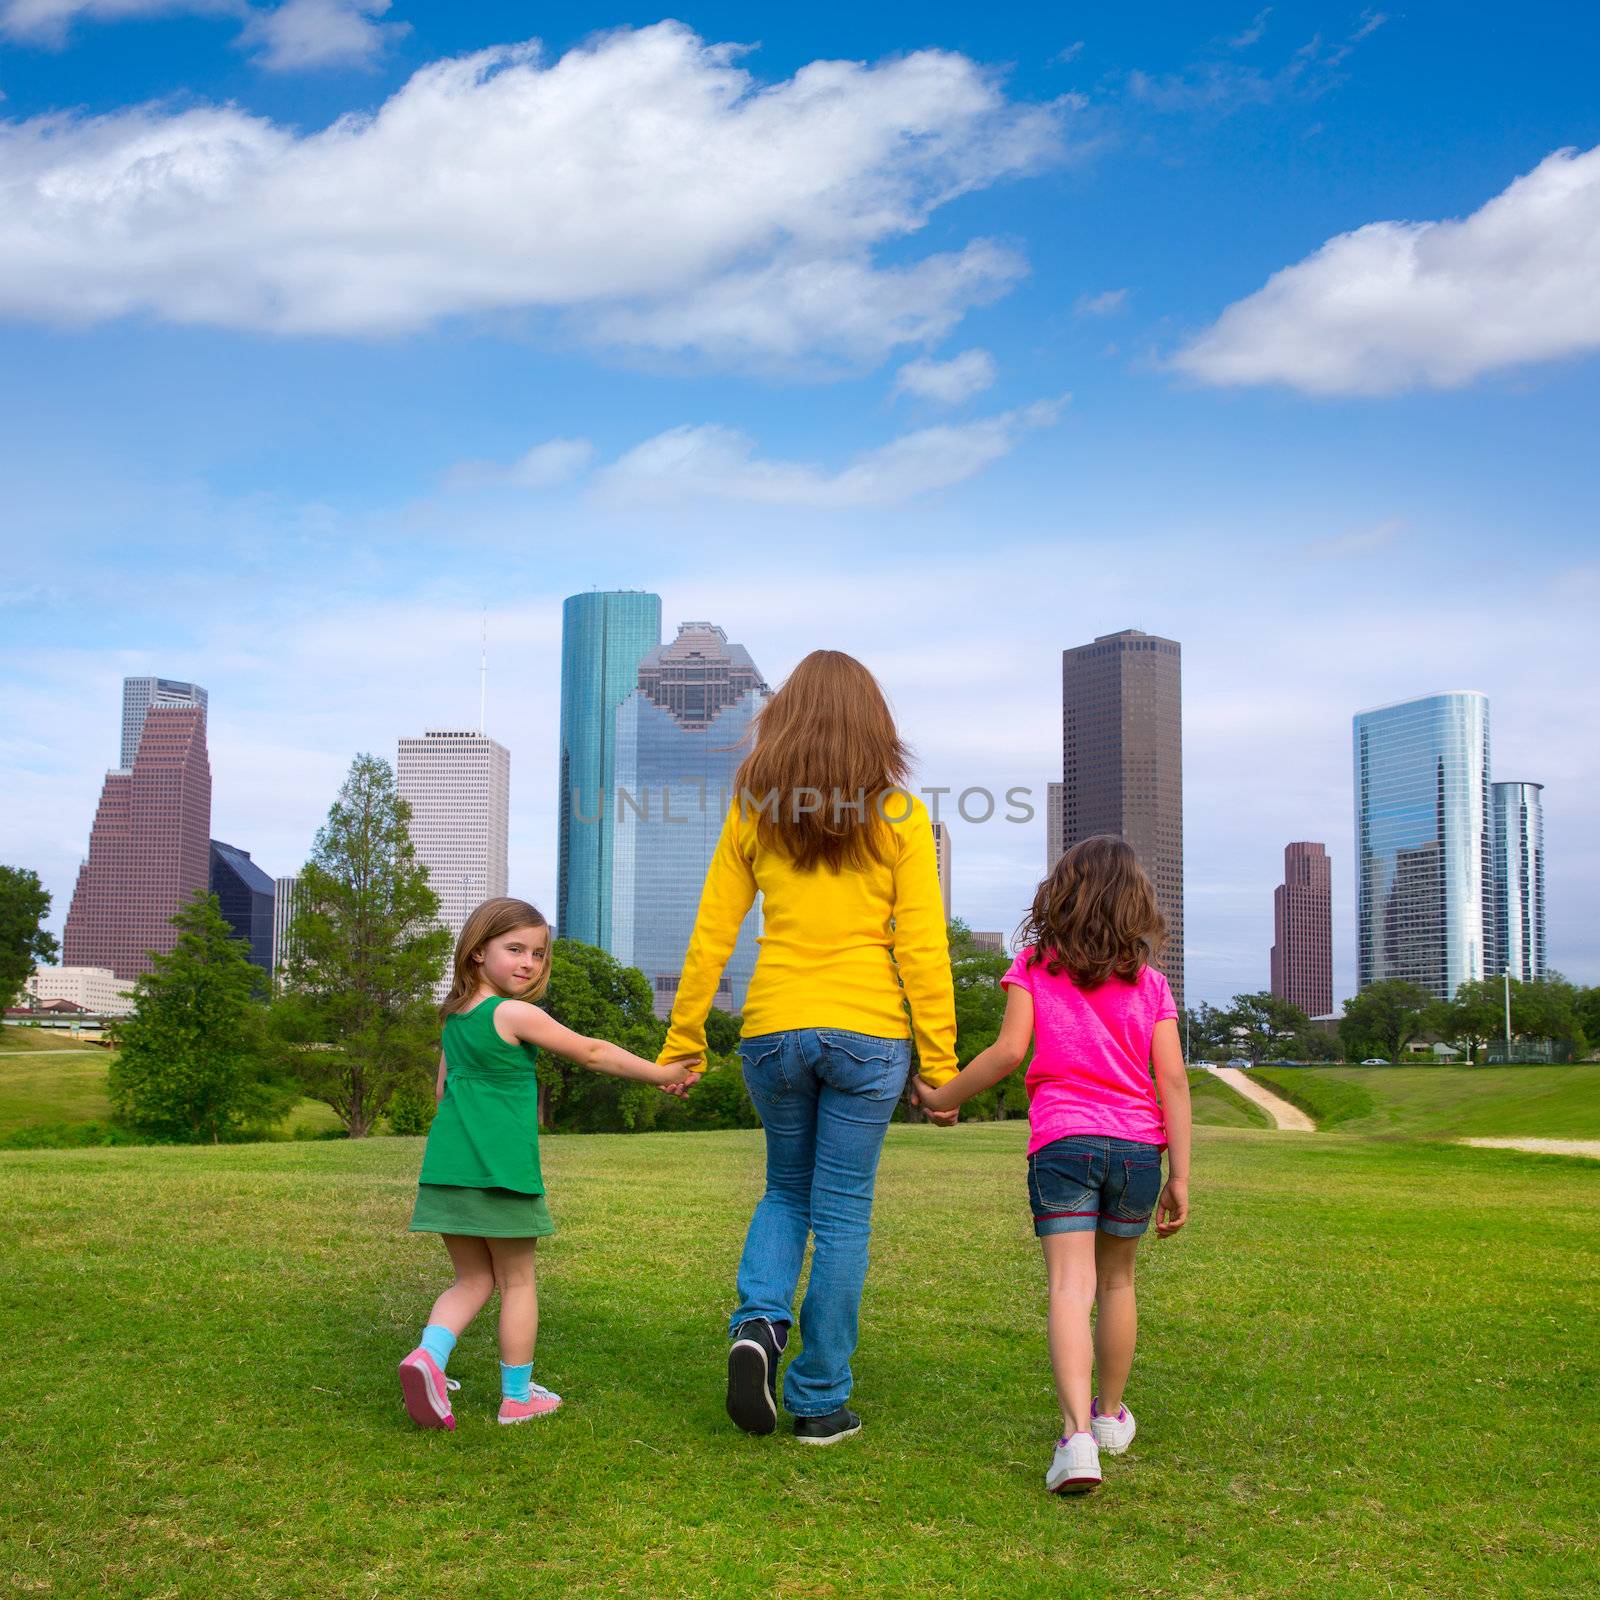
<point>1302,930</point>
<point>458,785</point>
<point>149,849</point>
<point>1424,885</point>
<point>1122,766</point>
<point>941,857</point>
<point>138,695</point>
<point>1055,825</point>
<point>1519,881</point>
<point>604,637</point>
<point>283,890</point>
<point>679,739</point>
<point>245,894</point>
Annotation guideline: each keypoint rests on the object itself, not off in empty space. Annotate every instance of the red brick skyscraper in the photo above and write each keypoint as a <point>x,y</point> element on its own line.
<point>1122,766</point>
<point>1302,927</point>
<point>149,850</point>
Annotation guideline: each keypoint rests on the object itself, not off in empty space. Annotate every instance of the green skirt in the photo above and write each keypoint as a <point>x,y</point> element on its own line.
<point>480,1213</point>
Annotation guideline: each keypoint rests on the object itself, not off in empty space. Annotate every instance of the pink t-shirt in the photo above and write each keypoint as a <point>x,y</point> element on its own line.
<point>1091,1054</point>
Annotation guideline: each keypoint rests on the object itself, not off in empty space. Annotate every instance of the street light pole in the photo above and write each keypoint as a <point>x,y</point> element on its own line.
<point>1508,1013</point>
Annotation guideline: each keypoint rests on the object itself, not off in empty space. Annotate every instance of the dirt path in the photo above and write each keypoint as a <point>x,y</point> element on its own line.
<point>1291,1119</point>
<point>1542,1147</point>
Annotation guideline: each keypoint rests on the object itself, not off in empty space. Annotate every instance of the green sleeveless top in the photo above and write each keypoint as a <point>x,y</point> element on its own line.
<point>486,1132</point>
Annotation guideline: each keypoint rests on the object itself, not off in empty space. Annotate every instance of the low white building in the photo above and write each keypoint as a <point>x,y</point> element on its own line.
<point>96,989</point>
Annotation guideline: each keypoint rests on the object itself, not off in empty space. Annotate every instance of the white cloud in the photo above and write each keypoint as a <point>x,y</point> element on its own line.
<point>719,463</point>
<point>304,34</point>
<point>1101,305</point>
<point>1252,34</point>
<point>49,22</point>
<point>947,382</point>
<point>1403,305</point>
<point>643,185</point>
<point>545,466</point>
<point>1359,541</point>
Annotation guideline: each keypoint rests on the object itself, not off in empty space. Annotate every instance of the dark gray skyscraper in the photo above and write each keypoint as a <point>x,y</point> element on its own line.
<point>246,895</point>
<point>604,637</point>
<point>1302,927</point>
<point>1122,769</point>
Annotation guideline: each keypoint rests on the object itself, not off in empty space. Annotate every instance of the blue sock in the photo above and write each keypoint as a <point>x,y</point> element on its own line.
<point>514,1381</point>
<point>438,1341</point>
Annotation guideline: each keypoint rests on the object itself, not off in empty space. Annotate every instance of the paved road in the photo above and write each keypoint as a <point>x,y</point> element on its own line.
<point>1291,1119</point>
<point>1543,1147</point>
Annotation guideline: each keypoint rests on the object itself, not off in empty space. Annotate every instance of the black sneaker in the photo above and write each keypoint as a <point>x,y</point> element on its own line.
<point>830,1429</point>
<point>753,1375</point>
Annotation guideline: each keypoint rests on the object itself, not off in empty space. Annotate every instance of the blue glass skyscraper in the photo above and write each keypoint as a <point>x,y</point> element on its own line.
<point>680,738</point>
<point>1424,883</point>
<point>1519,881</point>
<point>604,636</point>
<point>246,895</point>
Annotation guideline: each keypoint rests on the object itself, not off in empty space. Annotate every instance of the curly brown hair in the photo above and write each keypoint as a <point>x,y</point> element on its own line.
<point>1095,915</point>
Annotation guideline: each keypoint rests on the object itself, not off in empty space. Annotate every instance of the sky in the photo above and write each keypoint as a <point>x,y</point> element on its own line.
<point>334,330</point>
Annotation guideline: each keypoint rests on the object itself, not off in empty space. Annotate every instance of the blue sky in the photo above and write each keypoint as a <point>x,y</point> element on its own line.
<point>943,336</point>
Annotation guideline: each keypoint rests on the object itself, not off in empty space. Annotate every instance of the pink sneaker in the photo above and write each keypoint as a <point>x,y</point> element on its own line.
<point>427,1391</point>
<point>540,1403</point>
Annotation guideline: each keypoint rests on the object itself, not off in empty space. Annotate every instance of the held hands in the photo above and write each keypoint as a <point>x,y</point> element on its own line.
<point>1172,1209</point>
<point>925,1097</point>
<point>685,1073</point>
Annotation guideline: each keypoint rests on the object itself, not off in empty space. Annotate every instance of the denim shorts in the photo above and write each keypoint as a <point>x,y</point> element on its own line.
<point>1089,1181</point>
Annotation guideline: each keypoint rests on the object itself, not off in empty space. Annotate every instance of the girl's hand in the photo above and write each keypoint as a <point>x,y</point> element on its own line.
<point>925,1097</point>
<point>685,1072</point>
<point>1172,1209</point>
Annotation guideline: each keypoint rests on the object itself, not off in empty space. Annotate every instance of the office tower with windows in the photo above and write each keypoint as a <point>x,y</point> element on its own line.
<point>1122,767</point>
<point>282,918</point>
<point>1519,880</point>
<point>679,739</point>
<point>245,894</point>
<point>941,858</point>
<point>458,785</point>
<point>149,848</point>
<point>1424,883</point>
<point>1302,930</point>
<point>138,695</point>
<point>604,637</point>
<point>1055,825</point>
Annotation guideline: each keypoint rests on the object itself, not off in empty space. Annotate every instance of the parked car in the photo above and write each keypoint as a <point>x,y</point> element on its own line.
<point>1239,1061</point>
<point>1374,1061</point>
<point>1204,1066</point>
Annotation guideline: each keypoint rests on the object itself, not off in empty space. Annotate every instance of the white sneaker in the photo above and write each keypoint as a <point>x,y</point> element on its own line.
<point>1076,1467</point>
<point>1113,1434</point>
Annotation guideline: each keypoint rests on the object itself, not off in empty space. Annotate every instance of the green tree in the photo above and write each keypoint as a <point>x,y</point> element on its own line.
<point>592,993</point>
<point>1586,1012</point>
<point>192,1066</point>
<point>1383,1019</point>
<point>1547,1009</point>
<point>24,945</point>
<point>1205,1028</point>
<point>980,1009</point>
<point>1269,1024</point>
<point>1469,1021</point>
<point>356,1013</point>
<point>722,1033</point>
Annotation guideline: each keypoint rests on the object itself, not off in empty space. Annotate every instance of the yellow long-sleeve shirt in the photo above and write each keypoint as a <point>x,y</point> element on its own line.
<point>838,949</point>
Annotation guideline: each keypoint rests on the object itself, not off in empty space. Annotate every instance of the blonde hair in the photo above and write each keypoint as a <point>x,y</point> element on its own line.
<point>827,734</point>
<point>492,919</point>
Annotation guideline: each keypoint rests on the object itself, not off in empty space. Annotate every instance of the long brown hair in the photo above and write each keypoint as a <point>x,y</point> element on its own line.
<point>489,921</point>
<point>826,755</point>
<point>1096,914</point>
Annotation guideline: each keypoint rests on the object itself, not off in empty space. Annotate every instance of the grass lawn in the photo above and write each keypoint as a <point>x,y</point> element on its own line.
<point>1447,1102</point>
<point>1214,1105</point>
<point>1368,1369</point>
<point>49,1085</point>
<point>14,1039</point>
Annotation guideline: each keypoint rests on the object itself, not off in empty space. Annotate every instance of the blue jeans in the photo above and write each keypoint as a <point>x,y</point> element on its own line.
<point>825,1096</point>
